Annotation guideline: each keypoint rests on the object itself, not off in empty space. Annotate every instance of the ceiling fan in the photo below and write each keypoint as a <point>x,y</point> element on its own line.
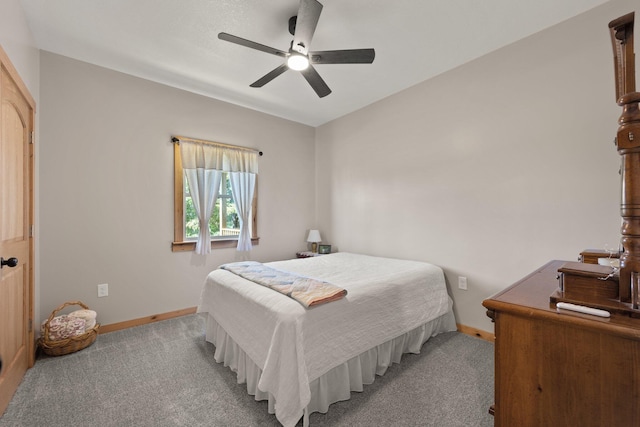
<point>298,57</point>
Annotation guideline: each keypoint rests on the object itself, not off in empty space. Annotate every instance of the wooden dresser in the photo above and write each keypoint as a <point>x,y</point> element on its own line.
<point>561,368</point>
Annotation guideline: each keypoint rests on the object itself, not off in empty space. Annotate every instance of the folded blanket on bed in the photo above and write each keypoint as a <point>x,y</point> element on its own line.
<point>307,291</point>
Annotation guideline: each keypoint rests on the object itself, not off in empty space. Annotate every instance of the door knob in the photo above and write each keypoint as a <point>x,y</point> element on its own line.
<point>11,262</point>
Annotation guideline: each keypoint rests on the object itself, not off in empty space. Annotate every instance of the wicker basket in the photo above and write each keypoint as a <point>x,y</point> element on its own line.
<point>68,345</point>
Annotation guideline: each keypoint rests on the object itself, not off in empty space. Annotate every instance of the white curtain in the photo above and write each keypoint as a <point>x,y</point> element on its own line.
<point>242,187</point>
<point>203,165</point>
<point>243,168</point>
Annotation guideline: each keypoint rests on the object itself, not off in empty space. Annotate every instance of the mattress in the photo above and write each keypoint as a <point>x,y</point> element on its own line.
<point>292,346</point>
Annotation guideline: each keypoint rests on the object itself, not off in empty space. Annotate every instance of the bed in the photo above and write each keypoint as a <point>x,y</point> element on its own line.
<point>303,359</point>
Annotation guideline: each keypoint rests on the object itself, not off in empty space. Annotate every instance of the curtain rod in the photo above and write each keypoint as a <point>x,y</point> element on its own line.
<point>177,139</point>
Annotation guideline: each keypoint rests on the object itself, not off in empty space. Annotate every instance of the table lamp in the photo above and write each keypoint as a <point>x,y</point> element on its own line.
<point>314,239</point>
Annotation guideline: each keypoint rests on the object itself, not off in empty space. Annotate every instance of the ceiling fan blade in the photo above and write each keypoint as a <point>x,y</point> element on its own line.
<point>306,22</point>
<point>252,45</point>
<point>348,56</point>
<point>270,76</point>
<point>316,82</point>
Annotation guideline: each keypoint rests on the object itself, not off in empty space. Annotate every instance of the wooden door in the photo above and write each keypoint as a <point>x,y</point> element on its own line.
<point>16,219</point>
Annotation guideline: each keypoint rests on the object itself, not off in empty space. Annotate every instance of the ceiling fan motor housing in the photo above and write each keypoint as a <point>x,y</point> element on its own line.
<point>292,25</point>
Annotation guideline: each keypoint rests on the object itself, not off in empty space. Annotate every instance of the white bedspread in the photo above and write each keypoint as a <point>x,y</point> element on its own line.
<point>293,345</point>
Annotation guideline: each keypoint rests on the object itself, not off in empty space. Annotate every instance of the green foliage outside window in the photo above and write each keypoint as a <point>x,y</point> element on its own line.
<point>228,211</point>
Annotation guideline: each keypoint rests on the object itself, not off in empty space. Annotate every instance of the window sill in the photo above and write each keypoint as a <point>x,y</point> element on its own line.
<point>215,244</point>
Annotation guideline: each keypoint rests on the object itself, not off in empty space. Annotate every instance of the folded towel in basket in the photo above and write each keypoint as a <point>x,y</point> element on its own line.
<point>63,327</point>
<point>89,317</point>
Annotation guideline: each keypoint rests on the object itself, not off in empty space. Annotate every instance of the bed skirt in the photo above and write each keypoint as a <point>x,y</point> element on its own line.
<point>338,383</point>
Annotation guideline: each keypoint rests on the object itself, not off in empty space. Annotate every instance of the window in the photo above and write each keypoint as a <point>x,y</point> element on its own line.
<point>224,225</point>
<point>224,220</point>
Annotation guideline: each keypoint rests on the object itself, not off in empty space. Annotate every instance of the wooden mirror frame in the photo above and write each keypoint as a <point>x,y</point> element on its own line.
<point>628,145</point>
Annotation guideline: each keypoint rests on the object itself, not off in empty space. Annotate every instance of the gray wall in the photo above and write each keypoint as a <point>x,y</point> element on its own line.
<point>489,170</point>
<point>106,204</point>
<point>18,42</point>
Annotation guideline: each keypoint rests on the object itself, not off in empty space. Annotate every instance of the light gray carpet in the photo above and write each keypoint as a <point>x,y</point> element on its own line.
<point>164,374</point>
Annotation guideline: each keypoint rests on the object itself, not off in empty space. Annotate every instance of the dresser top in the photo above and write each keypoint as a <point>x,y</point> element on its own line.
<point>530,297</point>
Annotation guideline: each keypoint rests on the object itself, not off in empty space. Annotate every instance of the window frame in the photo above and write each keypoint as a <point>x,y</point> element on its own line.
<point>179,243</point>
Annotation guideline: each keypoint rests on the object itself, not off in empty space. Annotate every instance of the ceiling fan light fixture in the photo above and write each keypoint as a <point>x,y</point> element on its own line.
<point>299,58</point>
<point>297,62</point>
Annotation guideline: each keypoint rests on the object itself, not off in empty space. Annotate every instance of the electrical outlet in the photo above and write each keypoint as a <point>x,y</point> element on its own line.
<point>103,290</point>
<point>462,283</point>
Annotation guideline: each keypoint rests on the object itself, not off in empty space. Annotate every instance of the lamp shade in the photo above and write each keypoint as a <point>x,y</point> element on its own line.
<point>314,236</point>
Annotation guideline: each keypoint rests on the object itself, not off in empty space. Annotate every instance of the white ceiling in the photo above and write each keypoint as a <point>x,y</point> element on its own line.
<point>175,42</point>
